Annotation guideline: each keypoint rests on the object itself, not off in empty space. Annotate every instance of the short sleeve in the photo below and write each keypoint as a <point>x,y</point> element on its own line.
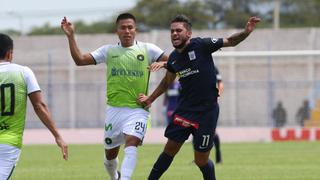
<point>100,54</point>
<point>31,81</point>
<point>212,44</point>
<point>154,52</point>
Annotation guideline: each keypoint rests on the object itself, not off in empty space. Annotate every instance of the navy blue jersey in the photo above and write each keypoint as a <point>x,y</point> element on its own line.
<point>195,69</point>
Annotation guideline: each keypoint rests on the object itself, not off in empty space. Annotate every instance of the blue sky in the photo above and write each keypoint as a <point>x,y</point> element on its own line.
<point>24,14</point>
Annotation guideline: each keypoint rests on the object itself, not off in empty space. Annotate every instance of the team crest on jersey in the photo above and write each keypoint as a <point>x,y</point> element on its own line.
<point>214,40</point>
<point>140,57</point>
<point>192,55</point>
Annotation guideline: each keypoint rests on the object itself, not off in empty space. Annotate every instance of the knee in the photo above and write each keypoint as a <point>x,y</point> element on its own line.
<point>112,153</point>
<point>201,162</point>
<point>132,141</point>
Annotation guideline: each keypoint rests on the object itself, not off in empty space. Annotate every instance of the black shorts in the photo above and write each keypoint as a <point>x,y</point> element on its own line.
<point>201,124</point>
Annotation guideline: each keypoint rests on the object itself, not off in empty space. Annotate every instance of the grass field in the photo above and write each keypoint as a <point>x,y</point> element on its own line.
<point>241,161</point>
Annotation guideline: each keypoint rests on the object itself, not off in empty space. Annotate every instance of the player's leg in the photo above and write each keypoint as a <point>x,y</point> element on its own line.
<point>113,139</point>
<point>205,165</point>
<point>134,131</point>
<point>203,142</point>
<point>111,162</point>
<point>164,160</point>
<point>216,141</point>
<point>9,157</point>
<point>130,156</point>
<point>176,135</point>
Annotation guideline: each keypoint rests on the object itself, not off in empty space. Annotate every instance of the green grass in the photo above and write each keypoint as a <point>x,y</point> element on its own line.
<point>241,161</point>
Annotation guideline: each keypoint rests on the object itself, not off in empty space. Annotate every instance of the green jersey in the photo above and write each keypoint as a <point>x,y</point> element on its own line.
<point>15,84</point>
<point>127,73</point>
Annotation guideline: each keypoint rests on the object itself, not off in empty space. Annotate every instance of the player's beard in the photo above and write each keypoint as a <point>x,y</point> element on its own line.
<point>181,45</point>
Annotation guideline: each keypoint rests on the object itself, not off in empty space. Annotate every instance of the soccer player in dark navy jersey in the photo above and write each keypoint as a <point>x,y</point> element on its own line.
<point>197,110</point>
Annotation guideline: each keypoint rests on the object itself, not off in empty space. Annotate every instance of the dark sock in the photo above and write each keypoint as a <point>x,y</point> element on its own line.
<point>208,171</point>
<point>161,165</point>
<point>216,141</point>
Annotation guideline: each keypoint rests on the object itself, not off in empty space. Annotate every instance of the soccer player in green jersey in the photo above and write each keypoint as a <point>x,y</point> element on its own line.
<point>16,83</point>
<point>128,63</point>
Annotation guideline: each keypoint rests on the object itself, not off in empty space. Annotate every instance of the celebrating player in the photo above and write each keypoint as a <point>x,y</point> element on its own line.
<point>197,110</point>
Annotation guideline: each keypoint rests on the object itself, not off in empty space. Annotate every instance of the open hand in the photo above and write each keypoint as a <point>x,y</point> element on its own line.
<point>251,24</point>
<point>63,146</point>
<point>157,65</point>
<point>143,100</point>
<point>67,27</point>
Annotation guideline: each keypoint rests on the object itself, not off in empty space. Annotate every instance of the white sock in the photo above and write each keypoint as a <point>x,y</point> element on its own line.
<point>111,167</point>
<point>129,162</point>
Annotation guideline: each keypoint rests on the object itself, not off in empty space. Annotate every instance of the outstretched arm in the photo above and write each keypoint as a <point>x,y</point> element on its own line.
<point>236,38</point>
<point>43,113</point>
<point>79,58</point>
<point>162,87</point>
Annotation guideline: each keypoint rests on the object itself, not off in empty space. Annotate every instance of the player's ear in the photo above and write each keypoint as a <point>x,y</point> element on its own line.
<point>189,34</point>
<point>9,54</point>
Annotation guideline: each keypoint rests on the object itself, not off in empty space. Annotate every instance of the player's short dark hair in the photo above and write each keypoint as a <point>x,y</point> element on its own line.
<point>6,43</point>
<point>125,16</point>
<point>184,19</point>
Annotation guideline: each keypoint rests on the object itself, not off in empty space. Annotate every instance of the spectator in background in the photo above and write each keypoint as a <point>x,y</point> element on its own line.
<point>303,113</point>
<point>279,115</point>
<point>216,139</point>
<point>171,99</point>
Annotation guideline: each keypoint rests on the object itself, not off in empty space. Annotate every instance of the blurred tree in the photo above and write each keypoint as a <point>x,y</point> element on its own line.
<point>46,29</point>
<point>11,32</point>
<point>206,14</point>
<point>158,13</point>
<point>296,13</point>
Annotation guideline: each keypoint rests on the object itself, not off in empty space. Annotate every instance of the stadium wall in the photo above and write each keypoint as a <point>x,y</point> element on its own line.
<point>155,135</point>
<point>253,85</point>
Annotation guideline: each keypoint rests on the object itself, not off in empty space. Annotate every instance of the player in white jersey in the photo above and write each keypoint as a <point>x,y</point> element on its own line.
<point>127,75</point>
<point>16,83</point>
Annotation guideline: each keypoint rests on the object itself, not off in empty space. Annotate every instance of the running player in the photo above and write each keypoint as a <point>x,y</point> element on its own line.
<point>127,64</point>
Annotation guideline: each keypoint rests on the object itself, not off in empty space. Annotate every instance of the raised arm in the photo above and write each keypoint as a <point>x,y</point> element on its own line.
<point>236,38</point>
<point>79,58</point>
<point>43,113</point>
<point>162,87</point>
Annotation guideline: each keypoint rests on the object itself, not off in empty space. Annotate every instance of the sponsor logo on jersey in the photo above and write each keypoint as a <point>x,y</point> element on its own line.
<point>4,126</point>
<point>114,56</point>
<point>108,127</point>
<point>214,40</point>
<point>108,140</point>
<point>140,57</point>
<point>125,72</point>
<point>187,72</point>
<point>192,55</point>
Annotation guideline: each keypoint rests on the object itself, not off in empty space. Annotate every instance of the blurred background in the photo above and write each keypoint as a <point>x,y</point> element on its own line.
<point>279,63</point>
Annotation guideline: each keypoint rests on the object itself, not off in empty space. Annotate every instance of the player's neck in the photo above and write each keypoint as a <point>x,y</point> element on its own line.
<point>4,60</point>
<point>181,49</point>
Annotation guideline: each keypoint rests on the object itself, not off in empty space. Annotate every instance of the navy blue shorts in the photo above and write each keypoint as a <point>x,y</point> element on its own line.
<point>201,124</point>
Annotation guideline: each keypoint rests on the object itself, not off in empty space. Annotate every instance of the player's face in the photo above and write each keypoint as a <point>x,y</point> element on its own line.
<point>126,30</point>
<point>180,36</point>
